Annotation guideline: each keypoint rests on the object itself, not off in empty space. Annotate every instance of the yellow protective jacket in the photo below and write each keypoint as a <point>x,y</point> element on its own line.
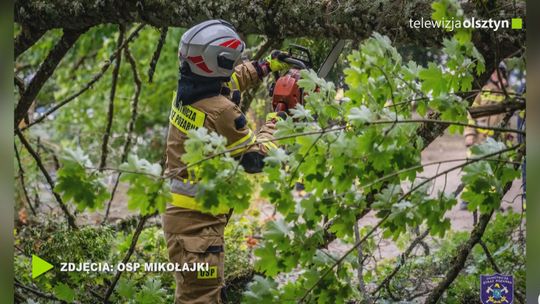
<point>221,115</point>
<point>489,95</point>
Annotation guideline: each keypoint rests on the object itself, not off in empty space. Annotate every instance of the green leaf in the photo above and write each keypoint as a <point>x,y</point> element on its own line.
<point>361,115</point>
<point>75,184</point>
<point>432,79</point>
<point>126,288</point>
<point>64,292</point>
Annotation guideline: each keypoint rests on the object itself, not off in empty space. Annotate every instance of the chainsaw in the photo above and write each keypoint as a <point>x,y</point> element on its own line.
<point>285,92</point>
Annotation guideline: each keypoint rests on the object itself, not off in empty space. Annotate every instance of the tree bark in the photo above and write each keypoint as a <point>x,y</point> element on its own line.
<point>276,18</point>
<point>26,38</point>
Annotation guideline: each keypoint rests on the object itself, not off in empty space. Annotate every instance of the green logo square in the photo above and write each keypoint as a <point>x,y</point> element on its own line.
<point>517,23</point>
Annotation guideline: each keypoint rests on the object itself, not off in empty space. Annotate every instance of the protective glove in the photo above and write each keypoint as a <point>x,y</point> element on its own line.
<point>275,61</point>
<point>276,116</point>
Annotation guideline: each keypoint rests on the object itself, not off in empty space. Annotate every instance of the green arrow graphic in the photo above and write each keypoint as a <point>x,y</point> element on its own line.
<point>39,266</point>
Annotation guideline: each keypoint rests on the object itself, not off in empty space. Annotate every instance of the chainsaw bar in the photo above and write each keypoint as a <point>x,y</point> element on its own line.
<point>331,59</point>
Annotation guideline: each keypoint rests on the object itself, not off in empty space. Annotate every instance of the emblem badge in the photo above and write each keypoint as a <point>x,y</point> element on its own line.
<point>496,289</point>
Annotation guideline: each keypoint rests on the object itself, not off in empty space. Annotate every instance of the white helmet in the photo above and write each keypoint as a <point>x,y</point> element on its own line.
<point>211,49</point>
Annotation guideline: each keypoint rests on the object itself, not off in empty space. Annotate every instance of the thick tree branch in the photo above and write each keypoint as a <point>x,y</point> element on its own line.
<point>26,38</point>
<point>344,19</point>
<point>69,216</point>
<point>45,71</point>
<point>110,113</point>
<point>494,109</point>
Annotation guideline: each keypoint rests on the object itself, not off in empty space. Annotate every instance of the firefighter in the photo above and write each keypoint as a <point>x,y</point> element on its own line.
<point>212,75</point>
<point>492,93</point>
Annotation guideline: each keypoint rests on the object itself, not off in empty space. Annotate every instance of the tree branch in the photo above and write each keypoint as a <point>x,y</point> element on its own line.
<point>37,292</point>
<point>129,253</point>
<point>22,181</point>
<point>157,53</point>
<point>344,19</point>
<point>360,269</point>
<point>402,259</point>
<point>45,71</point>
<point>459,260</point>
<point>402,197</point>
<point>105,66</point>
<point>26,38</point>
<point>461,257</point>
<point>69,216</point>
<point>489,256</point>
<point>494,109</point>
<point>110,113</point>
<point>131,124</point>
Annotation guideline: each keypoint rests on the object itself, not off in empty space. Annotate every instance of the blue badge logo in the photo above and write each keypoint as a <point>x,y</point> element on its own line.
<point>496,289</point>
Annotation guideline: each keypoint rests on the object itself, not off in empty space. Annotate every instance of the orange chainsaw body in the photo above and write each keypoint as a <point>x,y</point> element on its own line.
<point>287,94</point>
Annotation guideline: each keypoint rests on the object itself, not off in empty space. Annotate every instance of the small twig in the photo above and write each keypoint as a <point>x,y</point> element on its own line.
<point>110,113</point>
<point>129,253</point>
<point>44,72</point>
<point>402,259</point>
<point>22,181</point>
<point>360,269</point>
<point>37,158</point>
<point>157,53</point>
<point>489,257</point>
<point>293,173</point>
<point>94,79</point>
<point>131,125</point>
<point>36,291</point>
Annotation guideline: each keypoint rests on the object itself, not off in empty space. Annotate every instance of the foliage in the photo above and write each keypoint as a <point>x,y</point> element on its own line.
<point>57,243</point>
<point>354,145</point>
<point>223,184</point>
<point>412,280</point>
<point>86,190</point>
<point>147,192</point>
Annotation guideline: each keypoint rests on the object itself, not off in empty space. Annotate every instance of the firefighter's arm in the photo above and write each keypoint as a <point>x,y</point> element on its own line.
<point>245,76</point>
<point>232,124</point>
<point>248,74</point>
<point>470,132</point>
